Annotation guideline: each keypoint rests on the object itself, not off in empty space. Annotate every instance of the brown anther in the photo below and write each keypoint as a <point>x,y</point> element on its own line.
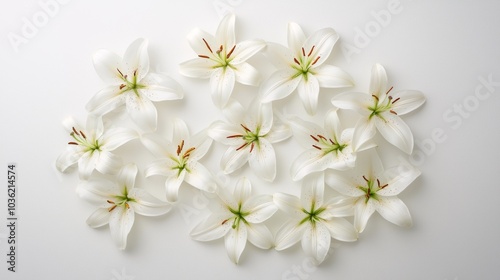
<point>383,186</point>
<point>251,147</point>
<point>76,132</point>
<point>331,141</point>
<point>246,128</point>
<point>110,201</point>
<point>322,137</point>
<point>135,72</point>
<point>112,208</point>
<point>125,77</point>
<point>235,136</point>
<point>208,46</point>
<point>393,112</point>
<point>126,205</point>
<point>374,96</point>
<point>83,135</point>
<point>230,52</point>
<point>219,50</point>
<point>121,74</point>
<point>317,147</point>
<point>242,146</point>
<point>122,86</point>
<point>296,61</point>
<point>180,147</point>
<point>188,152</point>
<point>203,56</point>
<point>315,139</point>
<point>310,52</point>
<point>316,60</point>
<point>72,143</point>
<point>389,90</point>
<point>365,178</point>
<point>225,221</point>
<point>396,100</point>
<point>303,52</point>
<point>378,183</point>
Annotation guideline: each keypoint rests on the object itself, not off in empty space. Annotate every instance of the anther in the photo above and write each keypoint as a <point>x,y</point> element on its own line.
<point>396,100</point>
<point>180,147</point>
<point>389,90</point>
<point>110,201</point>
<point>365,178</point>
<point>393,112</point>
<point>322,137</point>
<point>230,52</point>
<point>251,147</point>
<point>72,143</point>
<point>235,136</point>
<point>374,96</point>
<point>112,208</point>
<point>225,221</point>
<point>76,132</point>
<point>319,148</point>
<point>122,86</point>
<point>316,60</point>
<point>121,74</point>
<point>219,50</point>
<point>310,52</point>
<point>203,56</point>
<point>246,128</point>
<point>83,135</point>
<point>188,152</point>
<point>126,205</point>
<point>242,146</point>
<point>296,61</point>
<point>331,141</point>
<point>303,52</point>
<point>378,182</point>
<point>315,139</point>
<point>208,46</point>
<point>135,72</point>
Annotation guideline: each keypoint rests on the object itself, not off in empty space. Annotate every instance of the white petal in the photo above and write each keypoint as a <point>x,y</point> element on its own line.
<point>99,218</point>
<point>308,90</point>
<point>161,87</point>
<point>393,210</point>
<point>106,100</point>
<point>409,101</point>
<point>221,85</point>
<point>339,206</point>
<point>362,212</point>
<point>242,190</point>
<point>136,58</point>
<point>289,234</point>
<point>378,81</point>
<point>279,132</point>
<point>195,39</point>
<point>260,208</point>
<point>356,101</point>
<point>178,131</point>
<point>333,77</point>
<point>310,161</point>
<point>233,159</point>
<point>246,74</point>
<point>244,50</point>
<point>155,144</point>
<point>234,112</point>
<point>302,131</point>
<point>147,205</point>
<point>68,158</point>
<point>235,242</point>
<point>398,178</point>
<point>395,131</point>
<point>108,163</point>
<point>161,167</point>
<point>323,41</point>
<point>142,111</point>
<point>262,116</point>
<point>87,163</point>
<point>296,37</point>
<point>289,204</point>
<point>126,177</point>
<point>312,192</point>
<point>172,185</point>
<point>225,32</point>
<point>316,241</point>
<point>343,185</point>
<point>115,137</point>
<point>278,55</point>
<point>333,126</point>
<point>120,224</point>
<point>281,84</point>
<point>106,64</point>
<point>212,228</point>
<point>219,131</point>
<point>260,236</point>
<point>341,229</point>
<point>262,160</point>
<point>200,177</point>
<point>197,68</point>
<point>365,130</point>
<point>202,143</point>
<point>97,191</point>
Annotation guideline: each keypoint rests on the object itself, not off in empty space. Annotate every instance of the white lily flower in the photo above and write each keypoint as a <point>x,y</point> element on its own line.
<point>132,84</point>
<point>300,66</point>
<point>313,221</point>
<point>238,217</point>
<point>370,188</point>
<point>328,148</point>
<point>222,60</point>
<point>380,111</point>
<point>250,134</point>
<point>178,159</point>
<point>119,201</point>
<point>92,148</point>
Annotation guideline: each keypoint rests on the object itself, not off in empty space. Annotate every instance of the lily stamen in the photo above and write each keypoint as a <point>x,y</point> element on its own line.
<point>396,100</point>
<point>317,147</point>
<point>203,56</point>
<point>322,137</point>
<point>219,50</point>
<point>365,179</point>
<point>111,208</point>
<point>72,143</point>
<point>242,146</point>
<point>296,61</point>
<point>122,86</point>
<point>389,91</point>
<point>83,135</point>
<point>246,128</point>
<point>393,112</point>
<point>315,139</point>
<point>230,52</point>
<point>251,147</point>
<point>188,152</point>
<point>374,96</point>
<point>235,136</point>
<point>208,46</point>
<point>121,74</point>
<point>76,132</point>
<point>310,52</point>
<point>316,60</point>
<point>303,51</point>
<point>180,147</point>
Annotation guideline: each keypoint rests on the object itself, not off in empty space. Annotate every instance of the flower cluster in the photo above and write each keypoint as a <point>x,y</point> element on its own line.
<point>345,159</point>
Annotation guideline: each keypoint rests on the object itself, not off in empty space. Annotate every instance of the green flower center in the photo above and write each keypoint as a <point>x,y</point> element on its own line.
<point>239,216</point>
<point>221,56</point>
<point>312,216</point>
<point>90,145</point>
<point>303,63</point>
<point>379,108</point>
<point>130,84</point>
<point>249,137</point>
<point>120,201</point>
<point>371,189</point>
<point>327,145</point>
<point>182,158</point>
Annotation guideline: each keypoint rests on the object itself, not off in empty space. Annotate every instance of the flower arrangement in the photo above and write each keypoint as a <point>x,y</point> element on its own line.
<point>345,159</point>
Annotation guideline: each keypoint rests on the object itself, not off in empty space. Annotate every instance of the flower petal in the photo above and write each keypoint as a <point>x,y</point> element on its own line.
<point>136,58</point>
<point>197,38</point>
<point>398,178</point>
<point>87,163</point>
<point>323,41</point>
<point>178,131</point>
<point>330,76</point>
<point>68,158</point>
<point>259,235</point>
<point>106,100</point>
<point>262,160</point>
<point>97,191</point>
<point>362,212</point>
<point>233,159</point>
<point>260,208</point>
<point>316,241</point>
<point>278,55</point>
<point>106,65</point>
<point>212,227</point>
<point>279,132</point>
<point>121,221</point>
<point>296,37</point>
<point>225,32</point>
<point>310,161</point>
<point>147,205</point>
<point>221,85</point>
<point>343,185</point>
<point>356,101</point>
<point>161,87</point>
<point>312,192</point>
<point>202,143</point>
<point>378,82</point>
<point>126,177</point>
<point>281,84</point>
<point>246,74</point>
<point>219,131</point>
<point>302,131</point>
<point>236,241</point>
<point>115,137</point>
<point>242,190</point>
<point>197,68</point>
<point>108,163</point>
<point>200,177</point>
<point>409,101</point>
<point>99,218</point>
<point>246,49</point>
<point>289,204</point>
<point>289,234</point>
<point>393,210</point>
<point>341,229</point>
<point>142,111</point>
<point>365,130</point>
<point>308,90</point>
<point>172,185</point>
<point>396,132</point>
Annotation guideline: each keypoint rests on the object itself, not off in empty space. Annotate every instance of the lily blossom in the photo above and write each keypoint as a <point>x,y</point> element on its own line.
<point>238,217</point>
<point>178,159</point>
<point>301,66</point>
<point>313,220</point>
<point>381,110</point>
<point>119,202</point>
<point>222,59</point>
<point>249,135</point>
<point>92,147</point>
<point>328,148</point>
<point>370,188</point>
<point>132,84</point>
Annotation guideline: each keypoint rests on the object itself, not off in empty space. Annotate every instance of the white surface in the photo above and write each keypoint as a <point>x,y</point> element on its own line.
<point>439,47</point>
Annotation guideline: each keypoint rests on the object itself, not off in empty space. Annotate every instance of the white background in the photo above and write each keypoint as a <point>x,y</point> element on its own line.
<point>442,48</point>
